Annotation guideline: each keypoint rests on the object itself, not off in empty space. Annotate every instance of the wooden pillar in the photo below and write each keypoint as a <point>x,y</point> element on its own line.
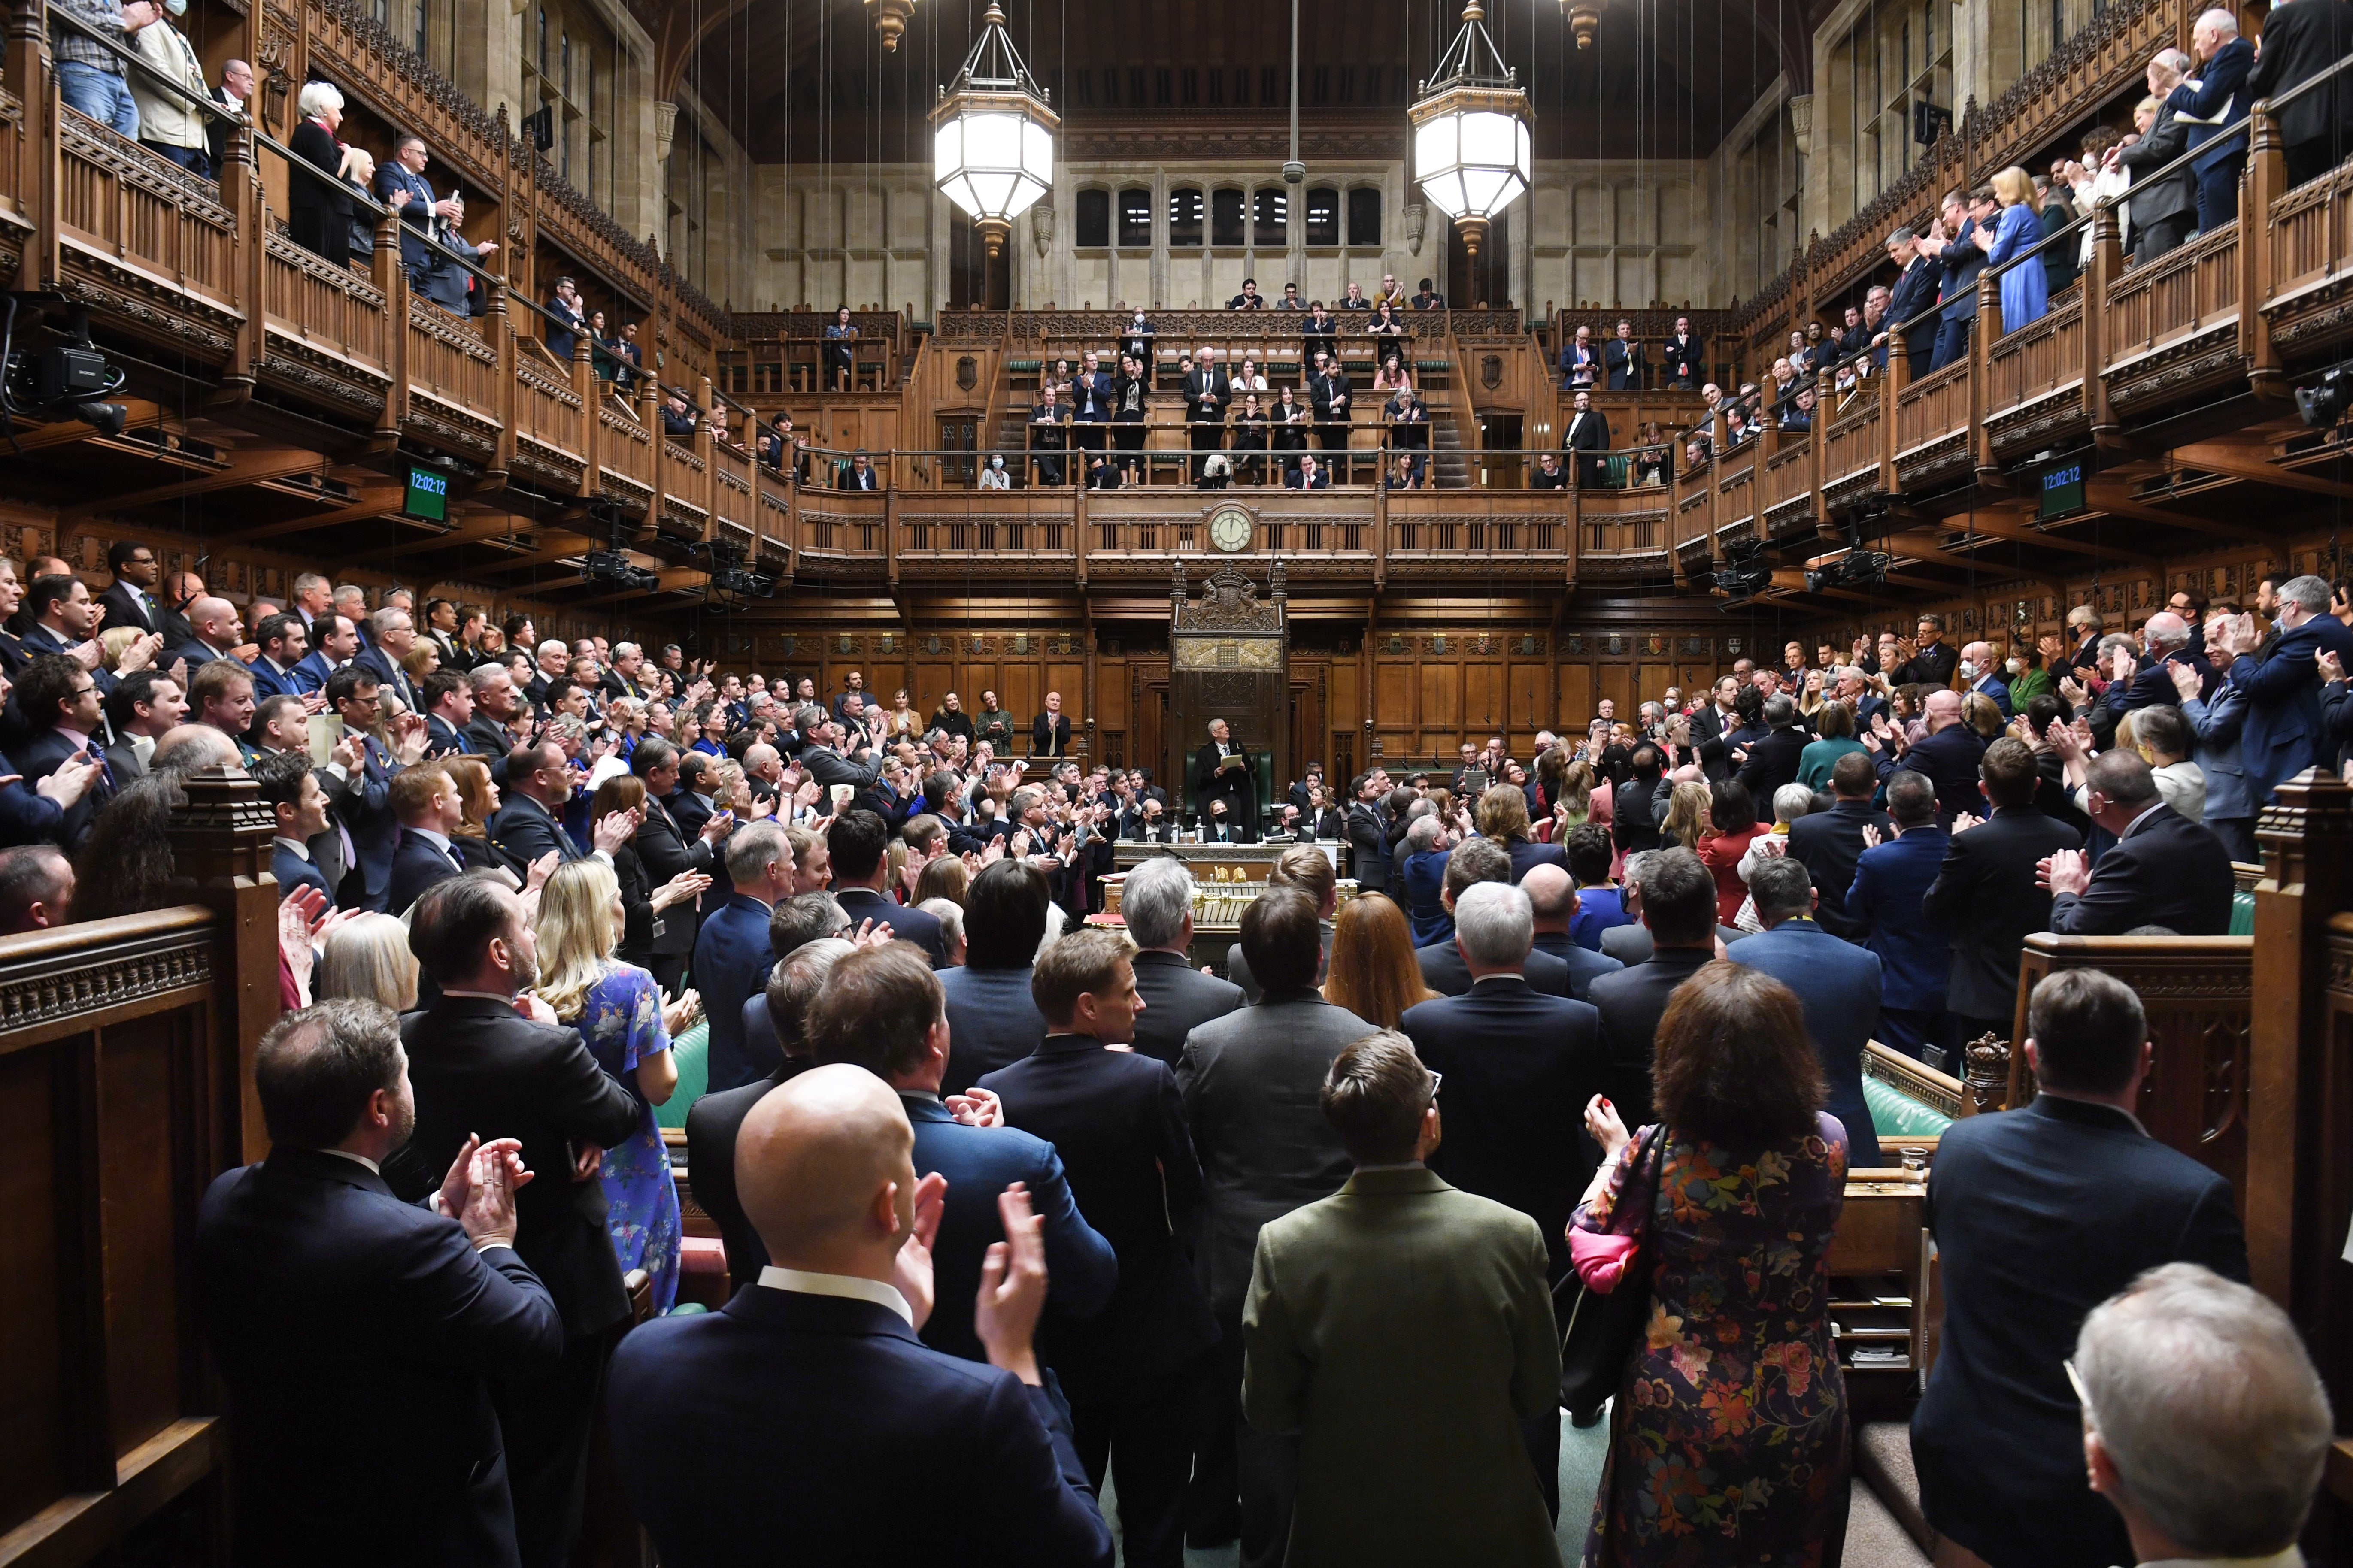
<point>2265,180</point>
<point>220,840</point>
<point>391,278</point>
<point>2107,267</point>
<point>1981,335</point>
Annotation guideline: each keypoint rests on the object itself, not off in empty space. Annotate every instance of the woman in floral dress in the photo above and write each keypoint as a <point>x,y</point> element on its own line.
<point>1729,1439</point>
<point>618,1010</point>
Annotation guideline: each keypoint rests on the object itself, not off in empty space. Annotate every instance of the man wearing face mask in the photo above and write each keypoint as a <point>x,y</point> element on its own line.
<point>1979,674</point>
<point>994,477</point>
<point>170,125</point>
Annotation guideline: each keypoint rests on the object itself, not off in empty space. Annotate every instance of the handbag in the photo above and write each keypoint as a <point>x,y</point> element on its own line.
<point>1605,1326</point>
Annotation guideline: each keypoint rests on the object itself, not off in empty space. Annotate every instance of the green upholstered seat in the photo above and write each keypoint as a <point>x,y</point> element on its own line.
<point>1897,1115</point>
<point>691,1052</point>
<point>2243,913</point>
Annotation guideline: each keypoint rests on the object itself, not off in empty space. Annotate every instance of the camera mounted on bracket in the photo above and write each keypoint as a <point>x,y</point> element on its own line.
<point>71,379</point>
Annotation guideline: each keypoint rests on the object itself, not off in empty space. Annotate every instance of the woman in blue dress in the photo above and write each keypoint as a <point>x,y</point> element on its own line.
<point>2024,295</point>
<point>618,1010</point>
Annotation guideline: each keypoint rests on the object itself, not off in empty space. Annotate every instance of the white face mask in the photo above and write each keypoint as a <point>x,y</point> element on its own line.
<point>997,462</point>
<point>2014,667</point>
<point>1969,670</point>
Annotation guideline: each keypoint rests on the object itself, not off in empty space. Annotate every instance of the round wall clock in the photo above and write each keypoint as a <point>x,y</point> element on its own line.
<point>1231,530</point>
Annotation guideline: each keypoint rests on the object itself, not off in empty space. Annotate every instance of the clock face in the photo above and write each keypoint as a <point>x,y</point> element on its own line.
<point>1229,529</point>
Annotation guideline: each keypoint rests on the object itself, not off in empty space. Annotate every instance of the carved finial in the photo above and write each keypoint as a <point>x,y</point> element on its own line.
<point>1987,1073</point>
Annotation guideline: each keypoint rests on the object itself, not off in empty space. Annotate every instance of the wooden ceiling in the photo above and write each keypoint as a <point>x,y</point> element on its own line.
<point>810,83</point>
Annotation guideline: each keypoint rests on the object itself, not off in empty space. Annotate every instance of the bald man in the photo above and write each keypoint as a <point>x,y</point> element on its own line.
<point>1948,755</point>
<point>216,629</point>
<point>1552,894</point>
<point>1981,672</point>
<point>825,1342</point>
<point>2165,641</point>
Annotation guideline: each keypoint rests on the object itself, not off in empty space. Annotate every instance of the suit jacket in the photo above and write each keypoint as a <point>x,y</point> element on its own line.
<point>44,754</point>
<point>1252,1081</point>
<point>1585,965</point>
<point>2217,721</point>
<point>1407,1385</point>
<point>417,213</point>
<point>906,923</point>
<point>980,1163</point>
<point>773,1366</point>
<point>269,681</point>
<point>1829,843</point>
<point>1625,363</point>
<point>1237,969</point>
<point>1050,738</point>
<point>1369,845</point>
<point>712,1126</point>
<point>1985,902</point>
<point>1236,786</point>
<point>416,865</point>
<point>2297,47</point>
<point>1443,971</point>
<point>1890,883</point>
<point>1202,386</point>
<point>310,674</point>
<point>480,1067</point>
<point>1528,855</point>
<point>2166,870</point>
<point>2284,727</point>
<point>732,961</point>
<point>1915,292</point>
<point>1519,1068</point>
<point>1840,985</point>
<point>992,1022</point>
<point>1963,261</point>
<point>1177,999</point>
<point>123,608</point>
<point>2175,196</point>
<point>1950,758</point>
<point>525,830</point>
<point>1631,1003</point>
<point>389,675</point>
<point>293,872</point>
<point>1772,763</point>
<point>2040,1216</point>
<point>1117,1121</point>
<point>2217,97</point>
<point>321,1293</point>
<point>442,739</point>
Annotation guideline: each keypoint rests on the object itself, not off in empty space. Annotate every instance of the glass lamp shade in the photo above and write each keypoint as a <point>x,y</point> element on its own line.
<point>1472,162</point>
<point>993,160</point>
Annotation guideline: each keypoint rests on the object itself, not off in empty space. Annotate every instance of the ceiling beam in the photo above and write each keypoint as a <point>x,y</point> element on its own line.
<point>2248,463</point>
<point>253,466</point>
<point>2116,500</point>
<point>137,415</point>
<point>490,525</point>
<point>374,501</point>
<point>1995,527</point>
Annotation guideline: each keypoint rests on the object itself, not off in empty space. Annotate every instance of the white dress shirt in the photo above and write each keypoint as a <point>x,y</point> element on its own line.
<point>850,1286</point>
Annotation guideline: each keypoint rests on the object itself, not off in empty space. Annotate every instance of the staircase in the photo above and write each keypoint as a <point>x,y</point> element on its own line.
<point>1450,464</point>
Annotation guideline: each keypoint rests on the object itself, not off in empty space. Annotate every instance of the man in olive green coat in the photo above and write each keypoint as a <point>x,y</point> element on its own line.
<point>1404,1331</point>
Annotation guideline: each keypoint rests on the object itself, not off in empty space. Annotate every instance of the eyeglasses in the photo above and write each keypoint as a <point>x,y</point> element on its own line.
<point>1436,1078</point>
<point>2082,1394</point>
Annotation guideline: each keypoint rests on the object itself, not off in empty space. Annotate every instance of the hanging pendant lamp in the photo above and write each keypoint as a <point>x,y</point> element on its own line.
<point>993,136</point>
<point>891,18</point>
<point>1471,132</point>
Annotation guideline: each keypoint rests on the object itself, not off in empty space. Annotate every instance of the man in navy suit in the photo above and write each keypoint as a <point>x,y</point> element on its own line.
<point>2163,869</point>
<point>1157,902</point>
<point>733,954</point>
<point>130,601</point>
<point>420,211</point>
<point>994,1019</point>
<point>1985,899</point>
<point>1472,861</point>
<point>426,802</point>
<point>1553,895</point>
<point>283,644</point>
<point>2040,1214</point>
<point>2285,730</point>
<point>60,701</point>
<point>359,775</point>
<point>449,698</point>
<point>306,1255</point>
<point>1891,881</point>
<point>1117,1121</point>
<point>882,1009</point>
<point>1839,983</point>
<point>529,824</point>
<point>1963,260</point>
<point>2148,681</point>
<point>292,791</point>
<point>856,843</point>
<point>1948,755</point>
<point>218,630</point>
<point>827,1344</point>
<point>1674,896</point>
<point>2225,59</point>
<point>1830,843</point>
<point>336,645</point>
<point>395,634</point>
<point>1914,294</point>
<point>1982,675</point>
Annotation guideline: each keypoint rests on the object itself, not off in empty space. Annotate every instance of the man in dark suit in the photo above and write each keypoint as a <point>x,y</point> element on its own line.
<point>425,802</point>
<point>482,1067</point>
<point>306,1255</point>
<point>530,823</point>
<point>1986,900</point>
<point>59,703</point>
<point>2163,211</point>
<point>291,792</point>
<point>1681,359</point>
<point>1251,1082</point>
<point>1622,357</point>
<point>1443,968</point>
<point>1050,732</point>
<point>233,92</point>
<point>2284,732</point>
<point>733,954</point>
<point>394,635</point>
<point>856,843</point>
<point>1553,895</point>
<point>826,1342</point>
<point>1677,905</point>
<point>1309,869</point>
<point>1331,398</point>
<point>1157,902</point>
<point>669,851</point>
<point>994,1021</point>
<point>2039,1216</point>
<point>1223,771</point>
<point>281,645</point>
<point>883,1010</point>
<point>1838,981</point>
<point>1587,433</point>
<point>2299,42</point>
<point>335,645</point>
<point>1891,880</point>
<point>1962,259</point>
<point>1949,754</point>
<point>2225,60</point>
<point>129,600</point>
<point>1829,843</point>
<point>2163,869</point>
<point>1773,761</point>
<point>1117,1121</point>
<point>403,173</point>
<point>1912,298</point>
<point>1208,390</point>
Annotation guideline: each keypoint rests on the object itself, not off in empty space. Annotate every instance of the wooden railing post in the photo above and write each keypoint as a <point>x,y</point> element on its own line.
<point>2107,267</point>
<point>592,428</point>
<point>36,146</point>
<point>220,840</point>
<point>1899,374</point>
<point>240,188</point>
<point>392,279</point>
<point>2265,180</point>
<point>1981,337</point>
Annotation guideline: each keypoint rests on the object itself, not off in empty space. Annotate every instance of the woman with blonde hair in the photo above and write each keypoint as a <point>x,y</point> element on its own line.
<point>618,1011</point>
<point>1373,972</point>
<point>421,661</point>
<point>2024,288</point>
<point>1687,815</point>
<point>368,957</point>
<point>1502,816</point>
<point>943,876</point>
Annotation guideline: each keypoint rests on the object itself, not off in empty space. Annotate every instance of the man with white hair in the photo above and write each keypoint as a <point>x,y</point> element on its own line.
<point>1516,1056</point>
<point>2284,732</point>
<point>2163,210</point>
<point>2211,102</point>
<point>1981,673</point>
<point>2165,642</point>
<point>1157,902</point>
<point>2205,1422</point>
<point>1206,392</point>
